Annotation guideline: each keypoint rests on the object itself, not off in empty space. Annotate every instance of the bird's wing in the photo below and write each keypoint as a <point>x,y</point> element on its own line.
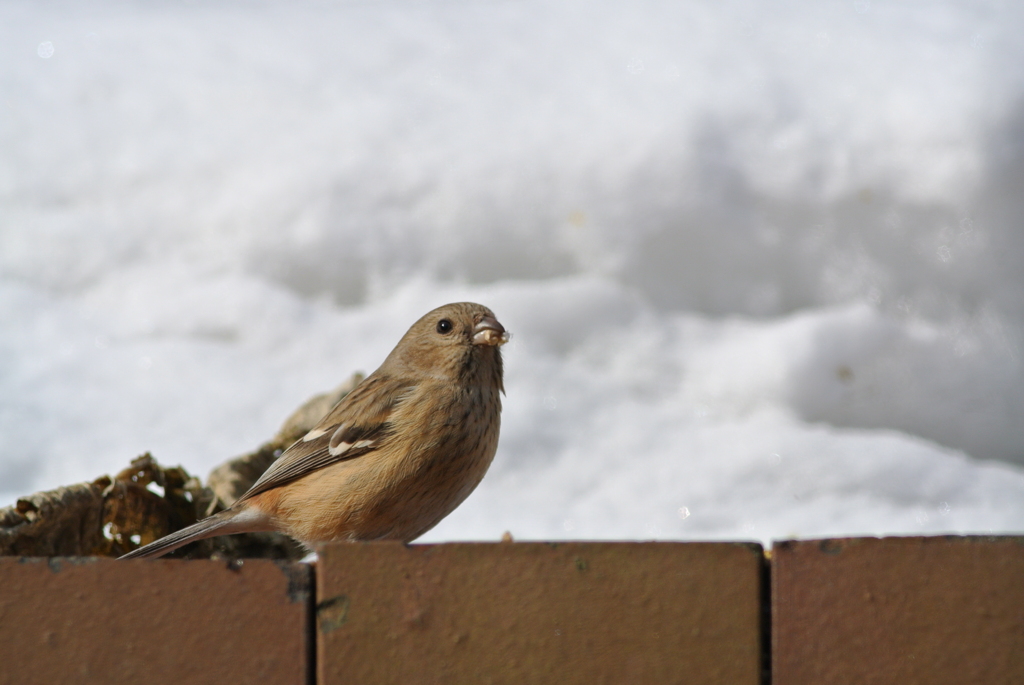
<point>359,424</point>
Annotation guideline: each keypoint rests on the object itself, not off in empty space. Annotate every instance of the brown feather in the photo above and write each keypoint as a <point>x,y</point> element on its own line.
<point>413,440</point>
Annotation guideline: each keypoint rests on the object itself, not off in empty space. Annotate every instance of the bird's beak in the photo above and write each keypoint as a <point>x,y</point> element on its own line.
<point>489,332</point>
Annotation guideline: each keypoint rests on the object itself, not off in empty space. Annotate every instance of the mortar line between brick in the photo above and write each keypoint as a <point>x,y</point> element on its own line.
<point>766,617</point>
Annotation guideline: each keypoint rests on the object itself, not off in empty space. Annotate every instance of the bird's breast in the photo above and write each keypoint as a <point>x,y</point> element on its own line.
<point>438,452</point>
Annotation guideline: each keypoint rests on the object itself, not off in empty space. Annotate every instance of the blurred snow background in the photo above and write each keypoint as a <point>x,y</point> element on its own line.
<point>764,262</point>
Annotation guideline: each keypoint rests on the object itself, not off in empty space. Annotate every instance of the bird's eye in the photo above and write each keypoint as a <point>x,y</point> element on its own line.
<point>444,326</point>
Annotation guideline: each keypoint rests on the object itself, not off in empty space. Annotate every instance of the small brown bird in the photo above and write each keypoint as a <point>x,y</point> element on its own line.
<point>395,456</point>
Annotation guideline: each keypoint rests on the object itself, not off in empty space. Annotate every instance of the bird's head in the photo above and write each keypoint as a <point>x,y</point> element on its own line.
<point>450,342</point>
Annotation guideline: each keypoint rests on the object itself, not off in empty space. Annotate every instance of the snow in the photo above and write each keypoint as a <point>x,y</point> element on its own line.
<point>762,262</point>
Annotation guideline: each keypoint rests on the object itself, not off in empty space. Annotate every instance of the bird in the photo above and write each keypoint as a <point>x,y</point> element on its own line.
<point>394,456</point>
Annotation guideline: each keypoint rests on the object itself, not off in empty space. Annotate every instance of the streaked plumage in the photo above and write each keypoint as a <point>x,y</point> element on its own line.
<point>395,456</point>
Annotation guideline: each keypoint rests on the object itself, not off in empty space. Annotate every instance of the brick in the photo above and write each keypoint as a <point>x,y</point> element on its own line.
<point>540,613</point>
<point>93,620</point>
<point>898,610</point>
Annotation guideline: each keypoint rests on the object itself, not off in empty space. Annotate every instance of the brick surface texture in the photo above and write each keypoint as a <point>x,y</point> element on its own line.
<point>540,613</point>
<point>89,620</point>
<point>912,611</point>
<point>935,611</point>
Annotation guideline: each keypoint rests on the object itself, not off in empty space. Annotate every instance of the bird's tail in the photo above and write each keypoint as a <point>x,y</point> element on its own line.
<point>223,523</point>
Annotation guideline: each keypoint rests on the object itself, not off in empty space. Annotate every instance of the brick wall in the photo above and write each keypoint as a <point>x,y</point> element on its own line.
<point>893,610</point>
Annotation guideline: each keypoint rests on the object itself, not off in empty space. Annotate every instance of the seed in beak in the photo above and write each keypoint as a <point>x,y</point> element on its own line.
<point>489,332</point>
